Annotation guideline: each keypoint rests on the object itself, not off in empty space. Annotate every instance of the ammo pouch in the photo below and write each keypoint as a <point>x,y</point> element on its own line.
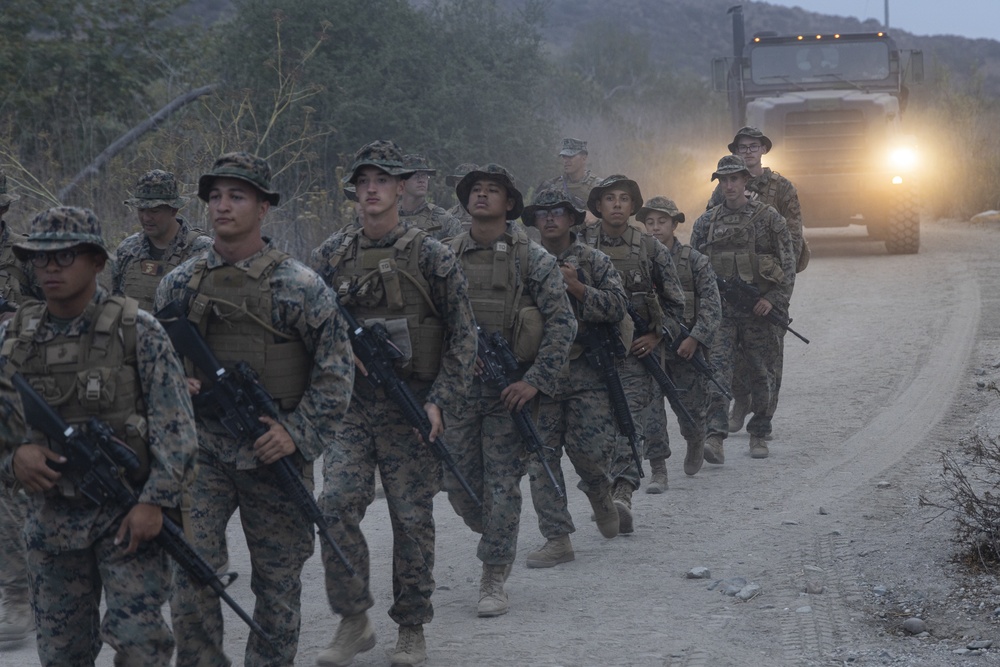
<point>769,270</point>
<point>527,333</point>
<point>804,255</point>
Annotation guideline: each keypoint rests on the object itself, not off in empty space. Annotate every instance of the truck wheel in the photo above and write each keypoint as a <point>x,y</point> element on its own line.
<point>902,233</point>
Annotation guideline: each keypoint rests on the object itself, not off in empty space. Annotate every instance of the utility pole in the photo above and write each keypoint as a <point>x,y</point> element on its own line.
<point>886,26</point>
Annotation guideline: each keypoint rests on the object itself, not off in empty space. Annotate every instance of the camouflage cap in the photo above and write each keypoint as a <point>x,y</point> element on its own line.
<point>730,164</point>
<point>60,228</point>
<point>550,198</point>
<point>461,170</point>
<point>660,205</point>
<point>383,154</point>
<point>156,188</point>
<point>750,133</point>
<point>491,172</point>
<point>571,147</point>
<point>615,182</point>
<point>418,162</point>
<point>244,167</point>
<point>5,197</point>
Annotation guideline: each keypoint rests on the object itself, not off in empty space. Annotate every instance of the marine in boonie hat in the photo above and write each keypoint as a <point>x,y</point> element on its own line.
<point>383,154</point>
<point>156,188</point>
<point>417,162</point>
<point>751,133</point>
<point>571,147</point>
<point>661,205</point>
<point>491,172</point>
<point>61,228</point>
<point>614,182</point>
<point>244,167</point>
<point>548,199</point>
<point>6,198</point>
<point>730,164</point>
<point>461,170</point>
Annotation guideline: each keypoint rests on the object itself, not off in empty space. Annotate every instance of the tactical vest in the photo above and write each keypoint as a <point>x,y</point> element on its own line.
<point>386,285</point>
<point>732,247</point>
<point>231,306</point>
<point>143,276</point>
<point>629,260</point>
<point>11,274</point>
<point>685,273</point>
<point>93,374</point>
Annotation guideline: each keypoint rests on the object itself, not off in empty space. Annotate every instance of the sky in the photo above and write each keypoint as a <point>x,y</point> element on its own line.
<point>968,18</point>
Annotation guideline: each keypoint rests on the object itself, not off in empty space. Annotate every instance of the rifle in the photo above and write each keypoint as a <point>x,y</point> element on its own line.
<point>498,362</point>
<point>374,349</point>
<point>6,306</point>
<point>649,362</point>
<point>699,362</point>
<point>237,400</point>
<point>743,297</point>
<point>101,464</point>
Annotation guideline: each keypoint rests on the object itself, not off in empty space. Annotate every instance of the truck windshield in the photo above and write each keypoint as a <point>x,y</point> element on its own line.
<point>819,63</point>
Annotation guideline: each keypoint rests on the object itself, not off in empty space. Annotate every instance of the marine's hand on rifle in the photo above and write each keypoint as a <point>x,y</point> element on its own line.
<point>517,395</point>
<point>32,470</point>
<point>762,307</point>
<point>645,344</point>
<point>573,284</point>
<point>274,444</point>
<point>437,421</point>
<point>360,366</point>
<point>194,386</point>
<point>142,524</point>
<point>687,348</point>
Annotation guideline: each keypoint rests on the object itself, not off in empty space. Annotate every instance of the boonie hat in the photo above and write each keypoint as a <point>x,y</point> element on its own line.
<point>461,170</point>
<point>614,182</point>
<point>660,205</point>
<point>60,228</point>
<point>418,162</point>
<point>156,188</point>
<point>730,164</point>
<point>550,198</point>
<point>571,147</point>
<point>751,133</point>
<point>244,167</point>
<point>491,172</point>
<point>5,197</point>
<point>384,154</point>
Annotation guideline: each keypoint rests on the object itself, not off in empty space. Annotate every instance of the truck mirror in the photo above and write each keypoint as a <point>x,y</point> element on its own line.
<point>917,66</point>
<point>720,73</point>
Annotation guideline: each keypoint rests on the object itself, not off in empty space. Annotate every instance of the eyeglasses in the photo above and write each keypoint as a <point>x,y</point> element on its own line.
<point>557,212</point>
<point>63,257</point>
<point>752,148</point>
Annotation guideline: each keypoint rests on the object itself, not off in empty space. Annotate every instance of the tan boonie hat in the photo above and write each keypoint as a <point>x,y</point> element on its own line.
<point>660,205</point>
<point>5,197</point>
<point>571,147</point>
<point>491,172</point>
<point>615,182</point>
<point>548,199</point>
<point>384,155</point>
<point>418,162</point>
<point>156,188</point>
<point>461,170</point>
<point>730,164</point>
<point>750,133</point>
<point>60,228</point>
<point>244,167</point>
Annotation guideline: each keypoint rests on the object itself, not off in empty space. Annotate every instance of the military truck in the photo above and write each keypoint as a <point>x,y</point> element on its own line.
<point>833,106</point>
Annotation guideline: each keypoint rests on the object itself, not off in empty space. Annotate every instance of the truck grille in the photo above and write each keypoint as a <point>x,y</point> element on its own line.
<point>825,142</point>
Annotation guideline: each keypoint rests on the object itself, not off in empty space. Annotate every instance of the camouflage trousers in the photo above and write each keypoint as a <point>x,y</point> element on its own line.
<point>761,344</point>
<point>13,566</point>
<point>693,395</point>
<point>375,433</point>
<point>639,389</point>
<point>66,594</point>
<point>580,422</point>
<point>741,375</point>
<point>280,540</point>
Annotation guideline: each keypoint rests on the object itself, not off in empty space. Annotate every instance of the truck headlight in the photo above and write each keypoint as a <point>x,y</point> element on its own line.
<point>903,158</point>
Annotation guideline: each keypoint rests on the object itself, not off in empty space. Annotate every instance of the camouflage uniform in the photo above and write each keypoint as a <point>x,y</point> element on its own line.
<point>374,431</point>
<point>17,280</point>
<point>758,232</point>
<point>577,191</point>
<point>70,542</point>
<point>311,383</point>
<point>458,210</point>
<point>434,220</point>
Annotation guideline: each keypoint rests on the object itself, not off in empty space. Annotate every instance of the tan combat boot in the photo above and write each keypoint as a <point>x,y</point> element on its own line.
<point>738,415</point>
<point>16,618</point>
<point>713,450</point>
<point>557,550</point>
<point>758,447</point>
<point>492,596</point>
<point>695,457</point>
<point>354,635</point>
<point>622,496</point>
<point>605,514</point>
<point>411,651</point>
<point>658,482</point>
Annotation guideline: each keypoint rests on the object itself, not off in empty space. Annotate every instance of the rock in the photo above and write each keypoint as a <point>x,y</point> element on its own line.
<point>884,484</point>
<point>914,625</point>
<point>804,610</point>
<point>788,522</point>
<point>961,651</point>
<point>822,511</point>
<point>880,590</point>
<point>699,573</point>
<point>814,587</point>
<point>978,644</point>
<point>748,592</point>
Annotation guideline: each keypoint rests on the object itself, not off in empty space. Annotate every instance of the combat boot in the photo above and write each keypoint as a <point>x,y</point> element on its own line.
<point>354,635</point>
<point>411,651</point>
<point>16,618</point>
<point>713,450</point>
<point>738,415</point>
<point>758,447</point>
<point>622,496</point>
<point>492,596</point>
<point>557,550</point>
<point>605,514</point>
<point>658,482</point>
<point>695,457</point>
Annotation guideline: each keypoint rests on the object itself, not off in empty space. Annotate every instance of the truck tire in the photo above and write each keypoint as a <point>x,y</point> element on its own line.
<point>902,232</point>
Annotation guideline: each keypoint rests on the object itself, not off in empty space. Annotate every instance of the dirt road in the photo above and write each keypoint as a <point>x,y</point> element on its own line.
<point>887,382</point>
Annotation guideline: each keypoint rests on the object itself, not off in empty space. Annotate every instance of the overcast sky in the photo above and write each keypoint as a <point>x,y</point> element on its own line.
<point>969,18</point>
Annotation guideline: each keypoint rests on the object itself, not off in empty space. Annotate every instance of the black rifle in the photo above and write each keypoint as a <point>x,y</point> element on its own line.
<point>652,367</point>
<point>101,465</point>
<point>237,400</point>
<point>744,296</point>
<point>498,363</point>
<point>374,349</point>
<point>601,345</point>
<point>699,362</point>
